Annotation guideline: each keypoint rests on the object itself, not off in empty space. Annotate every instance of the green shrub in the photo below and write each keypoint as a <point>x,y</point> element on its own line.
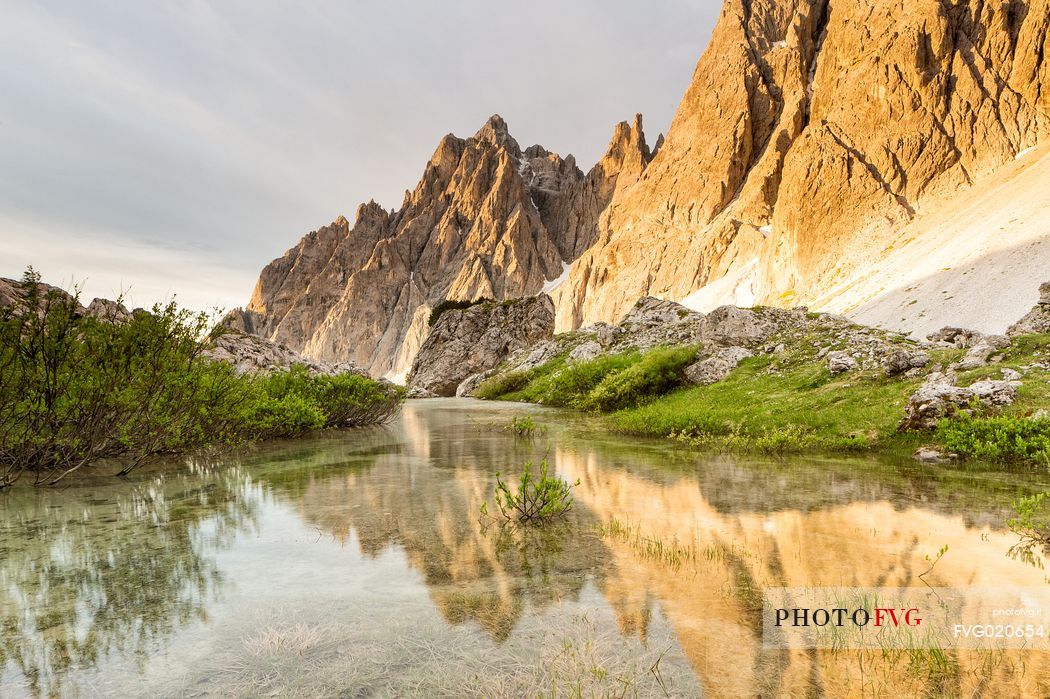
<point>659,371</point>
<point>523,426</point>
<point>536,500</point>
<point>452,305</point>
<point>76,389</point>
<point>502,384</point>
<point>1001,439</point>
<point>572,386</point>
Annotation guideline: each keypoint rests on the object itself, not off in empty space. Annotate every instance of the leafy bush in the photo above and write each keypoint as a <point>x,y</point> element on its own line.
<point>572,386</point>
<point>536,500</point>
<point>76,388</point>
<point>523,426</point>
<point>1003,439</point>
<point>658,372</point>
<point>452,305</point>
<point>502,385</point>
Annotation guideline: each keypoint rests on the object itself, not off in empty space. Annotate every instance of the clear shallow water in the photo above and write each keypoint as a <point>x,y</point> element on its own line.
<point>355,564</point>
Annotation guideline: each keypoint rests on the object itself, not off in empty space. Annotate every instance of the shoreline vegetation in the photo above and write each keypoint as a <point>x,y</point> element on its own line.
<point>790,401</point>
<point>82,386</point>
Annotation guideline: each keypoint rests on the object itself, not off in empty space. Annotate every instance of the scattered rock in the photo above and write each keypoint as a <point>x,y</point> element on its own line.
<point>840,362</point>
<point>929,455</point>
<point>585,352</point>
<point>716,367</point>
<point>939,398</point>
<point>981,351</point>
<point>418,393</point>
<point>1011,374</point>
<point>255,355</point>
<point>1036,320</point>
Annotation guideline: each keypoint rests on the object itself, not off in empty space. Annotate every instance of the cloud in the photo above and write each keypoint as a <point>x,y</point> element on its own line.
<point>218,133</point>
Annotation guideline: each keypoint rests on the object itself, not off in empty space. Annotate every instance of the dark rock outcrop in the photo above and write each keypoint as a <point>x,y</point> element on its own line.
<point>467,342</point>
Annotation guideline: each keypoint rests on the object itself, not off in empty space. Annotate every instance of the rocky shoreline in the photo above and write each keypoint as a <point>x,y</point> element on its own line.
<point>953,373</point>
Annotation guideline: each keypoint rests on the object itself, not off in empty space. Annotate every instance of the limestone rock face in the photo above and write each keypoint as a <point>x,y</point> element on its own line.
<point>474,340</point>
<point>487,220</point>
<point>811,133</point>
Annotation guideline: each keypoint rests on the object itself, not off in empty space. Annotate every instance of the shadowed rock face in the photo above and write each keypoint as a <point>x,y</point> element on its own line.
<point>487,220</point>
<point>468,342</point>
<point>810,135</point>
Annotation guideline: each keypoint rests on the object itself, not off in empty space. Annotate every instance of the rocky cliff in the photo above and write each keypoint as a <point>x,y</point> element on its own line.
<point>814,138</point>
<point>487,220</point>
<point>467,343</point>
<point>811,134</point>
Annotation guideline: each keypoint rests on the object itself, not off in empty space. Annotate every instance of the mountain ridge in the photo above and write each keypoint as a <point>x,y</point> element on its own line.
<point>811,136</point>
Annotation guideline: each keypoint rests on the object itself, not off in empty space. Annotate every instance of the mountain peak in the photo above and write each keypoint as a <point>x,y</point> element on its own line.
<point>495,131</point>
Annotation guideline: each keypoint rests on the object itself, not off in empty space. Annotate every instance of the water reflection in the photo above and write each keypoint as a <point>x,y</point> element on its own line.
<point>357,563</point>
<point>100,570</point>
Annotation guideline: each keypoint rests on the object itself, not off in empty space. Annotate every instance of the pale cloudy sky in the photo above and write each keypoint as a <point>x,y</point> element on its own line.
<point>177,146</point>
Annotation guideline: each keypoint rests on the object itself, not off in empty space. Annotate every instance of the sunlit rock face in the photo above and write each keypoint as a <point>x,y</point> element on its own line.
<point>812,132</point>
<point>487,220</point>
<point>812,135</point>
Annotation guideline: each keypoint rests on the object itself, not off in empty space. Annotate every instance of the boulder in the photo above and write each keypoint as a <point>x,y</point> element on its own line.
<point>417,393</point>
<point>938,398</point>
<point>650,312</point>
<point>716,367</point>
<point>729,325</point>
<point>929,455</point>
<point>585,352</point>
<point>841,362</point>
<point>531,357</point>
<point>982,349</point>
<point>476,339</point>
<point>996,393</point>
<point>606,334</point>
<point>898,360</point>
<point>932,402</point>
<point>471,383</point>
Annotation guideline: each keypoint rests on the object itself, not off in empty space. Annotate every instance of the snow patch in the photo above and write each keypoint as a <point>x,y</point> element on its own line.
<point>766,231</point>
<point>1025,152</point>
<point>780,45</point>
<point>553,284</point>
<point>736,288</point>
<point>399,378</point>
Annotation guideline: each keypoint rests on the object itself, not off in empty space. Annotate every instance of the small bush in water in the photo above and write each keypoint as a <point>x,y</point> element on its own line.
<point>536,500</point>
<point>523,426</point>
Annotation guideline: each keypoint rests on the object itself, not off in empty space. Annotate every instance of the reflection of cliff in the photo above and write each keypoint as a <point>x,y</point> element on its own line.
<point>426,500</point>
<point>712,600</point>
<point>83,576</point>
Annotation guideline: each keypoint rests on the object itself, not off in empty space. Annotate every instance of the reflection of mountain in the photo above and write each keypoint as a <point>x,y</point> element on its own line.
<point>748,524</point>
<point>426,500</point>
<point>88,572</point>
<point>850,540</point>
